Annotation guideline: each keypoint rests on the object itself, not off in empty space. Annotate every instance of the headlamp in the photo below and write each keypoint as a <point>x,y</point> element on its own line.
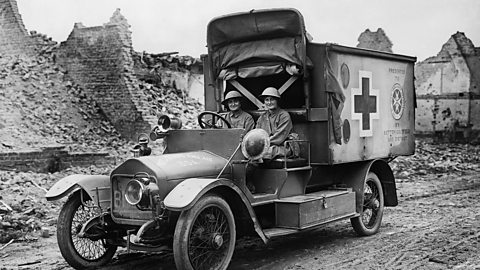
<point>134,192</point>
<point>139,190</point>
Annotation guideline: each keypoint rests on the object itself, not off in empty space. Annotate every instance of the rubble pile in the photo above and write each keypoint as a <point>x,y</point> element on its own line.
<point>23,209</point>
<point>172,102</point>
<point>437,158</point>
<point>164,97</point>
<point>165,60</point>
<point>42,109</point>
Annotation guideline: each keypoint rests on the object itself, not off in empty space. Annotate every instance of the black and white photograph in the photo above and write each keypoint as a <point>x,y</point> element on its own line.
<point>239,135</point>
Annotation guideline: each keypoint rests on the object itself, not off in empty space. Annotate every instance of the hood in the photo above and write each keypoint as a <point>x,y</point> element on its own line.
<point>176,166</point>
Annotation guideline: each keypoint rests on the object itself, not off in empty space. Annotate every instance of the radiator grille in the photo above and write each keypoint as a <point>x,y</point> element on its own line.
<point>121,209</point>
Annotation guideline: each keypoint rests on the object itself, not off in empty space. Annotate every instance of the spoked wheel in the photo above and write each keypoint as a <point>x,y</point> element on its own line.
<point>205,235</point>
<point>370,218</point>
<point>80,253</point>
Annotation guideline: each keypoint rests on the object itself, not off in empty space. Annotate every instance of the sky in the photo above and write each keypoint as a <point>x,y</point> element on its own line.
<point>415,27</point>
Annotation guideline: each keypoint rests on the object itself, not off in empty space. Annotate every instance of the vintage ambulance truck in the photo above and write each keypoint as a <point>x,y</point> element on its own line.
<point>353,111</point>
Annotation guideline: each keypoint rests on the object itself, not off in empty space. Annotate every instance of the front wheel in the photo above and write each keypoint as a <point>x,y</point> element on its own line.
<point>80,253</point>
<point>205,235</point>
<point>368,223</point>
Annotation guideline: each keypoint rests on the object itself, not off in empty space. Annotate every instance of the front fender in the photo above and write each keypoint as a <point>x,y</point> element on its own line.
<point>185,194</point>
<point>89,183</point>
<point>188,192</point>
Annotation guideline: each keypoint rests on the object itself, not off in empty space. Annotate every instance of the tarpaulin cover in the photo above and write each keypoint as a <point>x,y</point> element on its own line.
<point>279,49</point>
<point>336,98</point>
<point>256,37</point>
<point>251,71</point>
<point>254,25</point>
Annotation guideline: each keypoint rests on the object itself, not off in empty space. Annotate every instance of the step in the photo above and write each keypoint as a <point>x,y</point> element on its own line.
<point>263,198</point>
<point>274,232</point>
<point>294,169</point>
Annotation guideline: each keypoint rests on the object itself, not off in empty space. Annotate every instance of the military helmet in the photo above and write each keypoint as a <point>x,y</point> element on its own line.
<point>230,95</point>
<point>255,144</point>
<point>270,92</point>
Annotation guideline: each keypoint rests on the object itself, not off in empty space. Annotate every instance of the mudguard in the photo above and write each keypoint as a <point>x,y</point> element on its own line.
<point>356,173</point>
<point>188,192</point>
<point>185,194</point>
<point>91,184</point>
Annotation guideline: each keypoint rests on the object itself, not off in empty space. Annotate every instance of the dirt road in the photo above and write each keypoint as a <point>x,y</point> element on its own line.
<point>437,232</point>
<point>435,226</point>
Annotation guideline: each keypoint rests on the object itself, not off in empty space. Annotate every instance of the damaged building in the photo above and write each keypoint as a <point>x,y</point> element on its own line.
<point>130,88</point>
<point>77,101</point>
<point>448,91</point>
<point>375,40</point>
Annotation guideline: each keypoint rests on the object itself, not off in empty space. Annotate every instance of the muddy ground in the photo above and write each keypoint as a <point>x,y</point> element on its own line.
<point>435,226</point>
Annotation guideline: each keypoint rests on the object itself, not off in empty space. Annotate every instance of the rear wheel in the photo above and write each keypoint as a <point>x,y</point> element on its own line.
<point>205,235</point>
<point>80,253</point>
<point>370,218</point>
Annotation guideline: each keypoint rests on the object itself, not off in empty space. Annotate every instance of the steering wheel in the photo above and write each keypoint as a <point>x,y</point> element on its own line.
<point>209,120</point>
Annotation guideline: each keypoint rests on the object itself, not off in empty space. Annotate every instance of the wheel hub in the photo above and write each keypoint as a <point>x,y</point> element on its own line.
<point>217,240</point>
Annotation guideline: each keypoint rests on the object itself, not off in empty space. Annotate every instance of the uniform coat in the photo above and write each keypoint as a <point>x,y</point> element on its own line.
<point>278,125</point>
<point>239,119</point>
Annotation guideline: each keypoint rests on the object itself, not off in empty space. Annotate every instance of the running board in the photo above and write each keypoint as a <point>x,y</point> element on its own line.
<point>274,232</point>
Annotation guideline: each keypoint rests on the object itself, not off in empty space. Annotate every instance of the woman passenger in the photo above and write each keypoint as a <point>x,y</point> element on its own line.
<point>276,122</point>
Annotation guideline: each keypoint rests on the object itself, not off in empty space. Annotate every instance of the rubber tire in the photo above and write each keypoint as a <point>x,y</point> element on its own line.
<point>357,222</point>
<point>65,242</point>
<point>184,226</point>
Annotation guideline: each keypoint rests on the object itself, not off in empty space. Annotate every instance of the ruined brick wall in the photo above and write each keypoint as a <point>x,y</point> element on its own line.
<point>375,41</point>
<point>447,88</point>
<point>100,60</point>
<point>51,159</point>
<point>14,38</point>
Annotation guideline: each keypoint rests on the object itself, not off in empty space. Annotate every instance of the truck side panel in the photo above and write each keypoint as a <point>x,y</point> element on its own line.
<point>378,115</point>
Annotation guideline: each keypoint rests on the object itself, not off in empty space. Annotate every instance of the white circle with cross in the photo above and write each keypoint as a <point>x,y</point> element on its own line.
<point>397,103</point>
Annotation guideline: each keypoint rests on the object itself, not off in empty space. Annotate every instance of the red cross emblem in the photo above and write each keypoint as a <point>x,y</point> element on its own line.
<point>365,103</point>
